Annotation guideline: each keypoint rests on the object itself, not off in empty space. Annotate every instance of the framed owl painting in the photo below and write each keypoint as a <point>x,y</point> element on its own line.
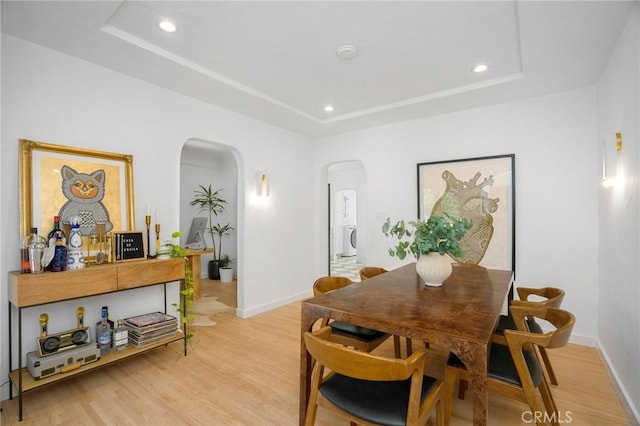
<point>94,186</point>
<point>482,190</point>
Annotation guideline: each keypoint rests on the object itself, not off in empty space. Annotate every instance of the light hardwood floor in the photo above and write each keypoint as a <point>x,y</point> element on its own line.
<point>245,372</point>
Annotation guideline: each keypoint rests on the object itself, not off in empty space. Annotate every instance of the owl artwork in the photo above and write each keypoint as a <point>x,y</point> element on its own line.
<point>85,193</point>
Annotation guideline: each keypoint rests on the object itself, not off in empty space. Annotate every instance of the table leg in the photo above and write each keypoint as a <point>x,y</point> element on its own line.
<point>475,359</point>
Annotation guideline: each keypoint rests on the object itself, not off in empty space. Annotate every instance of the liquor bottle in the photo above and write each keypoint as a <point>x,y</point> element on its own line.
<point>55,238</point>
<point>104,333</point>
<point>55,231</point>
<point>59,262</point>
<point>109,322</point>
<point>36,250</point>
<point>120,336</point>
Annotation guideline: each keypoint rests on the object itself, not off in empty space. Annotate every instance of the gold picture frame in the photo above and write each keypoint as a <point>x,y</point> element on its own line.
<point>45,193</point>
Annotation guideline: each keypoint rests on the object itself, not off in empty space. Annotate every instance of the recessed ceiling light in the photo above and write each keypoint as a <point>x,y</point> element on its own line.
<point>480,68</point>
<point>346,52</point>
<point>328,108</point>
<point>167,26</point>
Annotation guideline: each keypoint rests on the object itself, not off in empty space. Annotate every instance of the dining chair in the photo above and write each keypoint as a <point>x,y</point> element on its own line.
<point>551,297</point>
<point>367,389</point>
<point>370,272</point>
<point>514,369</point>
<point>361,338</point>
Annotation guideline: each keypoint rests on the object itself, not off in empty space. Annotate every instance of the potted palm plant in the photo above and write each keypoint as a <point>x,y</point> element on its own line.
<point>210,201</point>
<point>430,241</point>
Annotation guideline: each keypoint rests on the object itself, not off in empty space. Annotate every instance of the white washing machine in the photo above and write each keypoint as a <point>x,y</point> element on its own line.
<point>349,241</point>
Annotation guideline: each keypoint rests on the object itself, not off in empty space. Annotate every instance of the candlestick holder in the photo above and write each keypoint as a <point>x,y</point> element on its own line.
<point>157,237</point>
<point>147,220</point>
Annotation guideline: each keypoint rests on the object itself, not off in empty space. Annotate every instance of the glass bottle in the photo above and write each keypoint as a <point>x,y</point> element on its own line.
<point>36,250</point>
<point>109,322</point>
<point>52,236</point>
<point>104,333</point>
<point>120,336</point>
<point>59,262</point>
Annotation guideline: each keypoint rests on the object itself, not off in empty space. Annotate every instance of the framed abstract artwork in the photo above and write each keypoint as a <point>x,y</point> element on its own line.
<point>57,180</point>
<point>480,189</point>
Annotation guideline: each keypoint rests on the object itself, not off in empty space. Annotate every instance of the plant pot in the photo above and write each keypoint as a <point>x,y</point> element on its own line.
<point>226,275</point>
<point>213,268</point>
<point>434,268</point>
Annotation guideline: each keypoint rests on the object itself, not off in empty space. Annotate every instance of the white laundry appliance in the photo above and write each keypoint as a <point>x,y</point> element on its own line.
<point>349,241</point>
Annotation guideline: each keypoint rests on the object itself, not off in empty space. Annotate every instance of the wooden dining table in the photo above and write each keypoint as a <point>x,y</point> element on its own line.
<point>460,316</point>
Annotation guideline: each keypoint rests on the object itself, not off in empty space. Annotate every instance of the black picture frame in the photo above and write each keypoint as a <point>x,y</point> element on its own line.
<point>129,245</point>
<point>483,190</point>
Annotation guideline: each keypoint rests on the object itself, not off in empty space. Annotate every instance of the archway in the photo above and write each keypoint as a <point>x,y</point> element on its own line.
<point>209,163</point>
<point>346,219</point>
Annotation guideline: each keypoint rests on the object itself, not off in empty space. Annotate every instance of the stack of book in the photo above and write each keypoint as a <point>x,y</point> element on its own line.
<point>149,328</point>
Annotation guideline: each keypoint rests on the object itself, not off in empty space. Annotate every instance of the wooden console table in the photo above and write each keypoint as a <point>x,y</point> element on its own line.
<point>27,290</point>
<point>194,263</point>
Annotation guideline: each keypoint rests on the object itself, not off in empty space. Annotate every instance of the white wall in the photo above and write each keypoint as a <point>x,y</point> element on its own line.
<point>556,171</point>
<point>618,252</point>
<point>55,98</point>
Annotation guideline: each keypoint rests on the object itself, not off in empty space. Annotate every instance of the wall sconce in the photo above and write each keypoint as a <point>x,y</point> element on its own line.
<point>611,146</point>
<point>262,184</point>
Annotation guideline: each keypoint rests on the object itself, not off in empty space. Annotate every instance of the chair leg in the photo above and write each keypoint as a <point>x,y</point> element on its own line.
<point>451,376</point>
<point>409,347</point>
<point>548,401</point>
<point>440,413</point>
<point>549,368</point>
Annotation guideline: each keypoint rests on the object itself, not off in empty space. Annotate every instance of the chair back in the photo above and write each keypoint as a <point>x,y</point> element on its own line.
<point>329,283</point>
<point>562,320</point>
<point>356,364</point>
<point>370,272</point>
<point>553,296</point>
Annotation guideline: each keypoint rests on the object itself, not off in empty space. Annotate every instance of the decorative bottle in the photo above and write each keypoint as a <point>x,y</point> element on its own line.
<point>120,336</point>
<point>55,230</point>
<point>59,262</point>
<point>104,333</point>
<point>36,250</point>
<point>75,257</point>
<point>58,240</point>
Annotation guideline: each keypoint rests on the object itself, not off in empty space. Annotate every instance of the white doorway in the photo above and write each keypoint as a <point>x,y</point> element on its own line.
<point>346,221</point>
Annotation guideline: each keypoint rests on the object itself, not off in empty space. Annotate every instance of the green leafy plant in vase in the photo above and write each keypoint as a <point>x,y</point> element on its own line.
<point>429,241</point>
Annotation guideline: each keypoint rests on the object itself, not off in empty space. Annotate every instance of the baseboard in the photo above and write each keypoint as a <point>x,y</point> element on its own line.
<point>246,313</point>
<point>633,412</point>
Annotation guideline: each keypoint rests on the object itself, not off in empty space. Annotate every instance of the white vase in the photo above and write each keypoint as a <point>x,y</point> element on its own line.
<point>433,268</point>
<point>226,275</point>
